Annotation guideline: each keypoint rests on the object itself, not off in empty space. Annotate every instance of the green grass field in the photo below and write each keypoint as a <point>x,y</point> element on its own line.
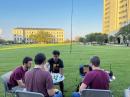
<point>119,57</point>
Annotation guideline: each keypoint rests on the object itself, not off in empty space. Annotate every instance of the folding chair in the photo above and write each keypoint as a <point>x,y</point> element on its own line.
<point>28,94</point>
<point>5,79</point>
<point>96,93</point>
<point>127,92</point>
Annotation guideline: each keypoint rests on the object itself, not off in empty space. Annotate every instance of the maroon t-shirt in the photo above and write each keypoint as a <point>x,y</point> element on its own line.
<point>97,79</point>
<point>38,80</point>
<point>18,74</point>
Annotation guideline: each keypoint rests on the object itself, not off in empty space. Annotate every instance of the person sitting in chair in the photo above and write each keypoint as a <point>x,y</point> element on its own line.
<point>17,77</point>
<point>39,80</point>
<point>96,79</point>
<point>57,66</point>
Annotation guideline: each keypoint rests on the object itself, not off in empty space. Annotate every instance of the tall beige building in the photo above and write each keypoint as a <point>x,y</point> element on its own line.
<point>116,15</point>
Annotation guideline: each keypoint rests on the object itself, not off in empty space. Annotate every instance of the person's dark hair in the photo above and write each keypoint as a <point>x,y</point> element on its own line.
<point>95,60</point>
<point>26,59</point>
<point>90,68</point>
<point>56,52</point>
<point>39,59</point>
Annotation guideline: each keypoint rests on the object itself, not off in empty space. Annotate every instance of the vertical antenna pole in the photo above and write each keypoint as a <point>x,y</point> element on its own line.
<point>71,28</point>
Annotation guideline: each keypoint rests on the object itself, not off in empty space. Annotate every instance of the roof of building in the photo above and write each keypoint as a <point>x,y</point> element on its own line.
<point>39,28</point>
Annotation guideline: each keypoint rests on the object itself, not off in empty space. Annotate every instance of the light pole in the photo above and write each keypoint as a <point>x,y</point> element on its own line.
<point>128,16</point>
<point>71,36</point>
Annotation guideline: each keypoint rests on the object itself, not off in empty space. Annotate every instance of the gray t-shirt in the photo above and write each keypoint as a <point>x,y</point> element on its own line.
<point>38,80</point>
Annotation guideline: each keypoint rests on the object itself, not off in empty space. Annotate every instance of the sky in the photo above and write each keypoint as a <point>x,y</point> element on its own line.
<point>87,16</point>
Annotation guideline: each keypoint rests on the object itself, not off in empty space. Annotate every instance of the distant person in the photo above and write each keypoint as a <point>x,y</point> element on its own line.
<point>39,80</point>
<point>96,79</point>
<point>127,42</point>
<point>17,77</point>
<point>57,66</point>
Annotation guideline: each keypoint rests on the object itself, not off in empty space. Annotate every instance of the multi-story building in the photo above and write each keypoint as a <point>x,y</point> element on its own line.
<point>23,34</point>
<point>116,15</point>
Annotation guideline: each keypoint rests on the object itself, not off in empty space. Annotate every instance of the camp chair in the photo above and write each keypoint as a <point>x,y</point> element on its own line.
<point>5,79</point>
<point>127,92</point>
<point>28,94</point>
<point>96,93</point>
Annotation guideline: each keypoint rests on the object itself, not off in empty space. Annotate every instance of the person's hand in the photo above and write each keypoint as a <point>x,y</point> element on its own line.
<point>111,74</point>
<point>61,76</point>
<point>56,90</point>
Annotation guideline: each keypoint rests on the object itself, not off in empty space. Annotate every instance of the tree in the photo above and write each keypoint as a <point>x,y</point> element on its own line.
<point>82,39</point>
<point>2,41</point>
<point>10,41</point>
<point>105,38</point>
<point>97,37</point>
<point>100,39</point>
<point>111,38</point>
<point>124,30</point>
<point>128,37</point>
<point>90,37</point>
<point>41,37</point>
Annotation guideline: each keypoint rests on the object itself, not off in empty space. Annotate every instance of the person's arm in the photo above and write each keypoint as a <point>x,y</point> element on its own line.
<point>20,83</point>
<point>50,67</point>
<point>82,87</point>
<point>49,85</point>
<point>61,68</point>
<point>61,71</point>
<point>51,92</point>
<point>86,82</point>
<point>18,77</point>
